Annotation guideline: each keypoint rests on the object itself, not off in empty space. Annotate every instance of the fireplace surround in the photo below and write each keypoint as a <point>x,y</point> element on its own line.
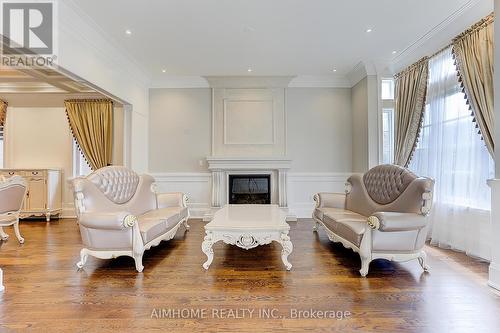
<point>224,167</point>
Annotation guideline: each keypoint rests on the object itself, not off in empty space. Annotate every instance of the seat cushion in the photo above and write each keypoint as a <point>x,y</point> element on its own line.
<point>346,224</point>
<point>157,222</point>
<point>319,213</point>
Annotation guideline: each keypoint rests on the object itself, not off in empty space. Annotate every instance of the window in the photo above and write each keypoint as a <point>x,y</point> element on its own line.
<point>80,165</point>
<point>388,135</point>
<point>387,96</point>
<point>450,149</point>
<point>1,147</point>
<point>387,89</point>
<point>452,153</point>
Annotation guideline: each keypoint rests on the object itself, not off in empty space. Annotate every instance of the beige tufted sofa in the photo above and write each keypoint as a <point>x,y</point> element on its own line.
<point>120,214</point>
<point>382,214</point>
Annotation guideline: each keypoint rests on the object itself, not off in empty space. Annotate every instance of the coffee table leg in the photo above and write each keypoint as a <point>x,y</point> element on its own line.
<point>287,249</point>
<point>206,247</point>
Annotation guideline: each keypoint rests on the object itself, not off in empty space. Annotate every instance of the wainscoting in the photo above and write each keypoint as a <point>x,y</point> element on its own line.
<point>301,188</point>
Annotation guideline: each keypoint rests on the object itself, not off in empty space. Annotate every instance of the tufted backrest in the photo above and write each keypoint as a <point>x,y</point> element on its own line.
<point>117,183</point>
<point>114,189</point>
<point>387,188</point>
<point>385,183</point>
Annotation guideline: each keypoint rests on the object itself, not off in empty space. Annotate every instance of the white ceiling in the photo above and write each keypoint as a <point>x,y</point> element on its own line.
<point>273,37</point>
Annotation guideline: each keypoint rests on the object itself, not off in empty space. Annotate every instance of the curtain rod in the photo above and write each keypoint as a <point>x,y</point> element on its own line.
<point>441,50</point>
<point>484,21</point>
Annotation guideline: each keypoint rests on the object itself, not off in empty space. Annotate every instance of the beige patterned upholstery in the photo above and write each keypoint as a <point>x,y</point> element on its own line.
<point>120,213</point>
<point>382,214</point>
<point>12,195</point>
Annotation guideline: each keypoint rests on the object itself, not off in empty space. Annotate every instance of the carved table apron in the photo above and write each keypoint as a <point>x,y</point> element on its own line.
<point>248,226</point>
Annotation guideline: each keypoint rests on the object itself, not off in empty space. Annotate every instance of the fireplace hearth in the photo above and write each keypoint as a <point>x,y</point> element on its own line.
<point>250,189</point>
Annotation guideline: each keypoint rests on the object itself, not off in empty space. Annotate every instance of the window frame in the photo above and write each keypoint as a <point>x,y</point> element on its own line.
<point>390,112</point>
<point>80,165</point>
<point>385,104</point>
<point>392,88</point>
<point>2,147</point>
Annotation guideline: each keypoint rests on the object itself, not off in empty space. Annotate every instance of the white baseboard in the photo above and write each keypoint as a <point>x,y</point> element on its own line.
<point>302,187</point>
<point>68,211</point>
<point>494,276</point>
<point>198,210</point>
<point>196,185</point>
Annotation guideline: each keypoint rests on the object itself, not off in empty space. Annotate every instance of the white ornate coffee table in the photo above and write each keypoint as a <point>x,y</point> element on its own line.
<point>248,226</point>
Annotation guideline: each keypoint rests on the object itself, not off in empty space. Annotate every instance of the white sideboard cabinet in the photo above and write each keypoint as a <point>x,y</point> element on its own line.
<point>44,195</point>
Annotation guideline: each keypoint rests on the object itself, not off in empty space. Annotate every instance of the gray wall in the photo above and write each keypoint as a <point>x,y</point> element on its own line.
<point>179,129</point>
<point>359,100</point>
<point>319,129</point>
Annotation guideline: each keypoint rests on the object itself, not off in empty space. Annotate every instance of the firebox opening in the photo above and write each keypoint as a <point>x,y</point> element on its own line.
<point>249,189</point>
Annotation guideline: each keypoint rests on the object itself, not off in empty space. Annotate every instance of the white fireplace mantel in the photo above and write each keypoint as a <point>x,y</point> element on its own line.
<point>248,163</point>
<point>249,134</point>
<point>276,167</point>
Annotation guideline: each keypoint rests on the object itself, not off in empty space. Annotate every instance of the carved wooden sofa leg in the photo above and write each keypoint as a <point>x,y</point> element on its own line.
<point>186,225</point>
<point>18,234</point>
<point>138,262</point>
<point>83,258</point>
<point>315,226</point>
<point>365,266</point>
<point>422,260</point>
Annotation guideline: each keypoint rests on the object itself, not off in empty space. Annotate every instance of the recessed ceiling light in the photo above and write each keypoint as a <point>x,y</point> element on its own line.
<point>249,70</point>
<point>394,52</point>
<point>369,30</point>
<point>163,70</point>
<point>334,70</point>
<point>128,32</point>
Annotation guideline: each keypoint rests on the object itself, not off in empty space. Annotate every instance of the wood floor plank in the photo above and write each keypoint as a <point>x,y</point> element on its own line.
<point>45,292</point>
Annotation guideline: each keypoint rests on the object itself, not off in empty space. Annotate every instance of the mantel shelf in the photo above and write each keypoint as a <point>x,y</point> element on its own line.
<point>248,163</point>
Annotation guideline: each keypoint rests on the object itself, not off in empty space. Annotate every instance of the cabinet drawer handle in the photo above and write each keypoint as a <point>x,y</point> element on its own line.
<point>34,173</point>
<point>11,173</point>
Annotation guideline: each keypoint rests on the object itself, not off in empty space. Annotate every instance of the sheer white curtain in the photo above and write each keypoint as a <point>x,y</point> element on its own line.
<point>451,151</point>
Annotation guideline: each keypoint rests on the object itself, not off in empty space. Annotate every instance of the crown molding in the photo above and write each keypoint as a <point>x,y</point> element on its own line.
<point>357,73</point>
<point>180,81</point>
<point>319,81</point>
<point>248,81</point>
<point>301,81</point>
<point>411,50</point>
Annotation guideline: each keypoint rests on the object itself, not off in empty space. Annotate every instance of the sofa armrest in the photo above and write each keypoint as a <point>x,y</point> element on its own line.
<point>107,221</point>
<point>173,199</point>
<point>393,221</point>
<point>332,200</point>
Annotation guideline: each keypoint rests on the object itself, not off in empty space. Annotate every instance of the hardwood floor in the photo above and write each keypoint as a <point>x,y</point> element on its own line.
<point>45,292</point>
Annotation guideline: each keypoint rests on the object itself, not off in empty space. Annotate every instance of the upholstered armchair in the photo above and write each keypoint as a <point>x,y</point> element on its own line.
<point>12,194</point>
<point>382,214</point>
<point>121,214</point>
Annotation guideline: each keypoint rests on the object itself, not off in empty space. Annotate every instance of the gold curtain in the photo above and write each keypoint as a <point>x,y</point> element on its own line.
<point>91,122</point>
<point>3,112</point>
<point>473,52</point>
<point>411,89</point>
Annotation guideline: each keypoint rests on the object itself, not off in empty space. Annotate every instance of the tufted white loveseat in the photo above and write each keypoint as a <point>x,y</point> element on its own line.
<point>382,214</point>
<point>120,214</point>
